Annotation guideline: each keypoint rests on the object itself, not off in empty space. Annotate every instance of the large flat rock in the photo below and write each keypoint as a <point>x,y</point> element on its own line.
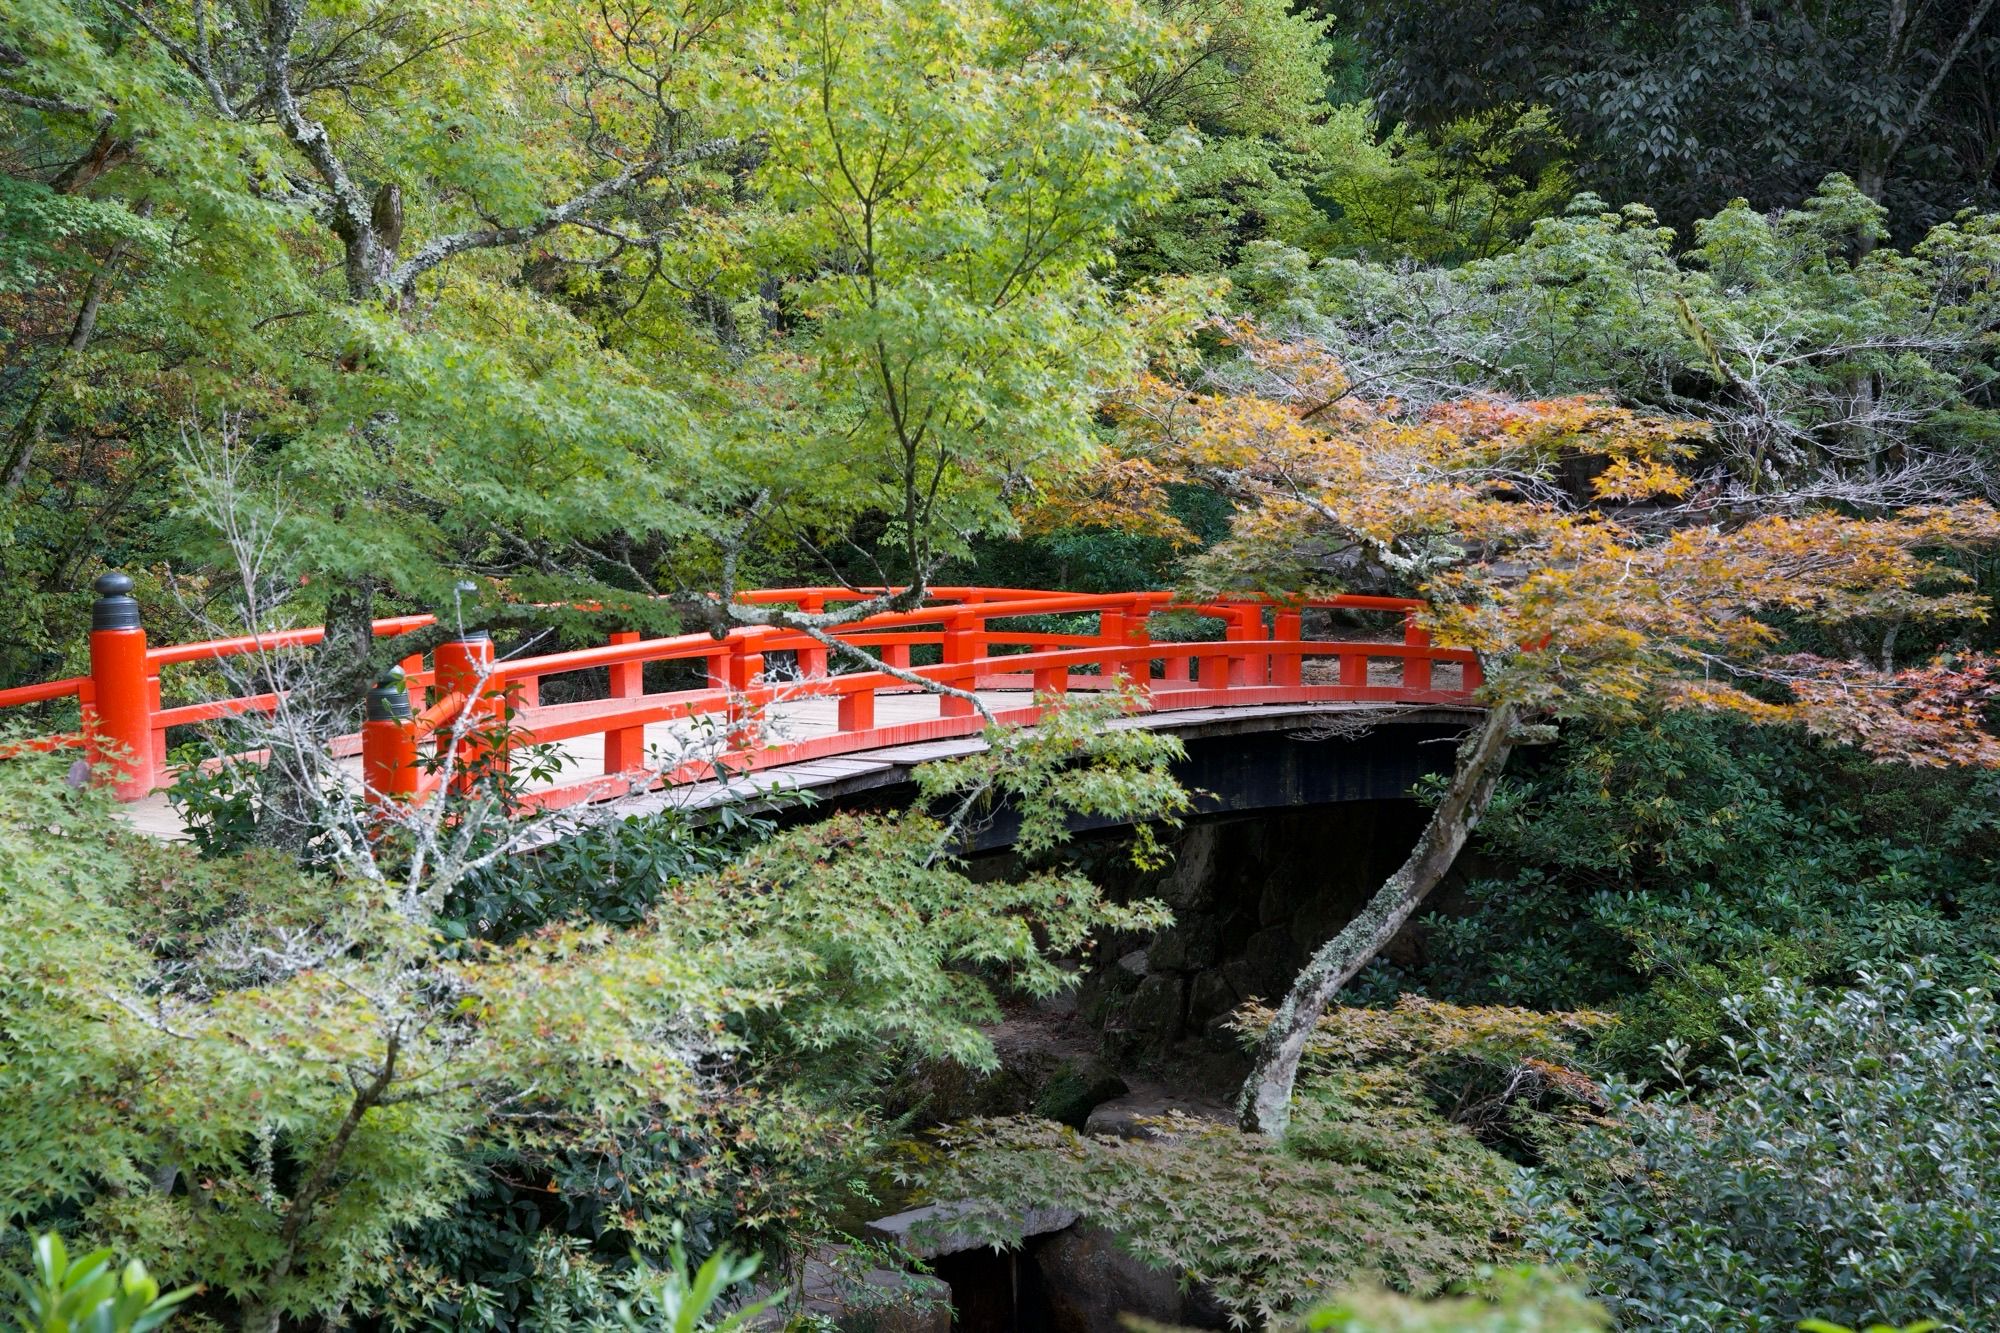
<point>937,1229</point>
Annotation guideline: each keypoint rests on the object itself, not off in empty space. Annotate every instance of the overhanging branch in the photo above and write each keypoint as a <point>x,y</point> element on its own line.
<point>437,250</point>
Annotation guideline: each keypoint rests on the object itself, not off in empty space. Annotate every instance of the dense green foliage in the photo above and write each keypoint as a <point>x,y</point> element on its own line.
<point>573,299</point>
<point>1669,867</point>
<point>369,1093</point>
<point>256,1077</point>
<point>1814,367</point>
<point>1845,1168</point>
<point>1390,1174</point>
<point>1691,103</point>
<point>1393,1196</point>
<point>1512,1301</point>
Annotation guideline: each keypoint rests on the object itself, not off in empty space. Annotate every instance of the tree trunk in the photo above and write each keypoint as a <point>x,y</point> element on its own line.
<point>28,436</point>
<point>342,667</point>
<point>264,1313</point>
<point>1265,1103</point>
<point>1871,178</point>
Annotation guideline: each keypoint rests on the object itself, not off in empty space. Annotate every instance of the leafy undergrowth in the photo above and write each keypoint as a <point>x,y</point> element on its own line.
<point>1391,1174</point>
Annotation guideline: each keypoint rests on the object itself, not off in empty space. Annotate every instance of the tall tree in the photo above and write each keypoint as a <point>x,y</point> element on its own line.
<point>589,301</point>
<point>336,200</point>
<point>941,242</point>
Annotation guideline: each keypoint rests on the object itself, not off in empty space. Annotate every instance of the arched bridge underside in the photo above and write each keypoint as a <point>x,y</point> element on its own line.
<point>638,724</point>
<point>1239,759</point>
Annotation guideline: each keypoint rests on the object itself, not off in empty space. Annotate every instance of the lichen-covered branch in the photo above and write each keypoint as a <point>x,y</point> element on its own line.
<point>1265,1106</point>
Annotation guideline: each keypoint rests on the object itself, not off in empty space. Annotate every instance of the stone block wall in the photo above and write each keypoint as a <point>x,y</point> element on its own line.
<point>1252,898</point>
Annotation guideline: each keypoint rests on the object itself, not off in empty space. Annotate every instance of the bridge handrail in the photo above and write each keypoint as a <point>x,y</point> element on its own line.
<point>125,722</point>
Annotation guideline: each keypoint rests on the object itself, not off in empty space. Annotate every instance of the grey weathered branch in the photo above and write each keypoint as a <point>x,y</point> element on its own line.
<point>435,251</point>
<point>353,211</point>
<point>54,106</point>
<point>1921,107</point>
<point>1267,1094</point>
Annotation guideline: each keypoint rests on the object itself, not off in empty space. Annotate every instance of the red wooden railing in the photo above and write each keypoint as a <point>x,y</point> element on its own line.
<point>1261,658</point>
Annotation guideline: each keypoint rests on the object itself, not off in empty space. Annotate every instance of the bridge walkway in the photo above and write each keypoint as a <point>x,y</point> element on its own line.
<point>779,698</point>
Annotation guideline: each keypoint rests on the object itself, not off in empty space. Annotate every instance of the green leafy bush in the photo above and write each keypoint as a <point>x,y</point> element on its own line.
<point>305,1089</point>
<point>675,1300</point>
<point>1662,869</point>
<point>1885,357</point>
<point>88,1294</point>
<point>1385,1176</point>
<point>1520,1300</point>
<point>1368,1186</point>
<point>1848,1167</point>
<point>613,872</point>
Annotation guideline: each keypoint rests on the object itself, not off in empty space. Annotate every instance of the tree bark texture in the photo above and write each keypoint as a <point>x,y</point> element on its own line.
<point>1265,1103</point>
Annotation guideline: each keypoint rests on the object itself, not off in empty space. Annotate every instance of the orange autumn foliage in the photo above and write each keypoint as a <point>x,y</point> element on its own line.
<point>1565,540</point>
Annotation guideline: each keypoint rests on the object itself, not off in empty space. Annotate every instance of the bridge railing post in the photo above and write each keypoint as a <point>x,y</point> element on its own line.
<point>1288,664</point>
<point>389,742</point>
<point>625,747</point>
<point>409,667</point>
<point>1354,667</point>
<point>1416,670</point>
<point>1137,620</point>
<point>962,645</point>
<point>855,710</point>
<point>1246,625</point>
<point>118,712</point>
<point>158,734</point>
<point>812,660</point>
<point>1111,633</point>
<point>745,672</point>
<point>465,666</point>
<point>1212,666</point>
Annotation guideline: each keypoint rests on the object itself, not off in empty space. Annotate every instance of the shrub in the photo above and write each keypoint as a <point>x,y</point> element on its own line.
<point>1847,1167</point>
<point>306,1088</point>
<point>1393,1171</point>
<point>1366,1187</point>
<point>89,1293</point>
<point>1521,1300</point>
<point>1662,869</point>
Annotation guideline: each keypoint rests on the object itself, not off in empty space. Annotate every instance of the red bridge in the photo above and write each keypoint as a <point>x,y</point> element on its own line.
<point>785,700</point>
